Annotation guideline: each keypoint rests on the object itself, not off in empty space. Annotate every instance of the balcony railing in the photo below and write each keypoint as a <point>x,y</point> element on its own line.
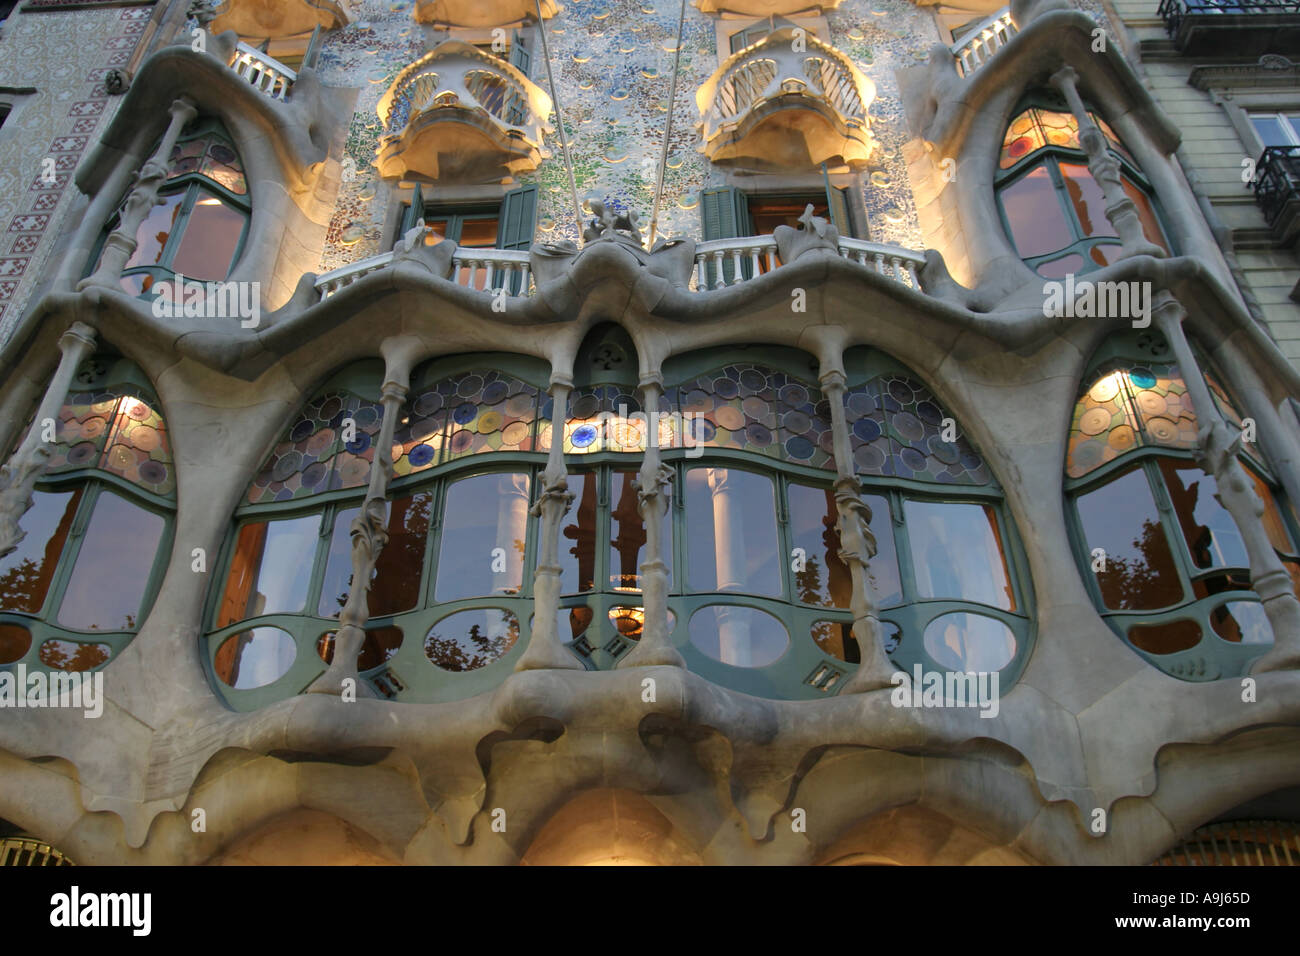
<point>985,40</point>
<point>21,851</point>
<point>461,115</point>
<point>1233,27</point>
<point>787,101</point>
<point>726,262</point>
<point>1277,190</point>
<point>718,263</point>
<point>267,74</point>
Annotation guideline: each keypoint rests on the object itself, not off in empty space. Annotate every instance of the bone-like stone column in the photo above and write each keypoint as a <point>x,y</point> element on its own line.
<point>1218,455</point>
<point>18,475</point>
<point>857,546</point>
<point>654,496</point>
<point>545,652</point>
<point>143,197</point>
<point>1120,209</point>
<point>369,534</point>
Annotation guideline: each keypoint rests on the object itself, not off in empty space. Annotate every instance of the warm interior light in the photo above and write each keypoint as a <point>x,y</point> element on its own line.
<point>209,202</point>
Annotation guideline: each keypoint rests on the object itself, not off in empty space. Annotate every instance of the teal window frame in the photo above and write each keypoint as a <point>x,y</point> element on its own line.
<point>1050,157</point>
<point>1212,657</point>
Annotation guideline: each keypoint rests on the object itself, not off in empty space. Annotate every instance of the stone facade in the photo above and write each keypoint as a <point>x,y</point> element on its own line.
<point>832,357</point>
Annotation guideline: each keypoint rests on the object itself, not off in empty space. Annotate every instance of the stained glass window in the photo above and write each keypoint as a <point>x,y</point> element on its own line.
<point>1035,128</point>
<point>1127,406</point>
<point>899,430</point>
<point>118,429</point>
<point>210,153</point>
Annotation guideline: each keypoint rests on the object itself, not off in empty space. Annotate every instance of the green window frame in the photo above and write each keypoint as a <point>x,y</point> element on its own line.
<point>36,637</point>
<point>1209,623</point>
<point>192,188</point>
<point>1085,249</point>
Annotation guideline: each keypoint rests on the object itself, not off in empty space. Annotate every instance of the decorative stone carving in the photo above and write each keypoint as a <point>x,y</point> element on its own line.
<point>482,13</point>
<point>277,18</point>
<point>610,224</point>
<point>369,534</point>
<point>19,474</point>
<point>413,247</point>
<point>814,233</point>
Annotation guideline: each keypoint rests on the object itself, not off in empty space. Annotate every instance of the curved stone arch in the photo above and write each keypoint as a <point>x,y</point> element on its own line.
<point>609,826</point>
<point>914,835</point>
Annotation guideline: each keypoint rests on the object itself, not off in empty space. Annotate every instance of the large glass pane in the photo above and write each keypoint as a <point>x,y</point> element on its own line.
<point>1211,535</point>
<point>731,533</point>
<point>957,552</point>
<point>26,573</point>
<point>1271,129</point>
<point>112,570</point>
<point>395,583</point>
<point>151,236</point>
<point>1137,570</point>
<point>271,569</point>
<point>1088,200</point>
<point>739,636</point>
<point>211,237</point>
<point>578,537</point>
<point>820,577</point>
<point>1146,212</point>
<point>627,536</point>
<point>484,528</point>
<point>1034,214</point>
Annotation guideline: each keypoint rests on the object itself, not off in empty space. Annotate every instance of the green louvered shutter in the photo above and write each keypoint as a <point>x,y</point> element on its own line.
<point>520,58</point>
<point>517,223</point>
<point>837,201</point>
<point>724,214</point>
<point>411,213</point>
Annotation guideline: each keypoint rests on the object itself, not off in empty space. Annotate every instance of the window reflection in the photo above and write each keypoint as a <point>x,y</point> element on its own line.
<point>254,658</point>
<point>628,535</point>
<point>73,655</point>
<point>820,576</point>
<point>484,530</point>
<point>15,642</point>
<point>739,636</point>
<point>578,534</point>
<point>26,573</point>
<point>207,249</point>
<point>970,642</point>
<point>957,552</point>
<point>1121,519</point>
<point>271,569</point>
<point>1210,533</point>
<point>732,532</point>
<point>468,640</point>
<point>113,566</point>
<point>395,582</point>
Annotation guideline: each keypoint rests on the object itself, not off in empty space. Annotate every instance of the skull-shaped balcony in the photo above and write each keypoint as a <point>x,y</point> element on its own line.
<point>461,115</point>
<point>787,102</point>
<point>482,13</point>
<point>277,18</point>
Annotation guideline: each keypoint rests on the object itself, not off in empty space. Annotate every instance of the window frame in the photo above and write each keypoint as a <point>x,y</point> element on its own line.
<point>1050,157</point>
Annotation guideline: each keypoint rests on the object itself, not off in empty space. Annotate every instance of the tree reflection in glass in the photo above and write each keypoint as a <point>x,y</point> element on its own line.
<point>395,582</point>
<point>468,640</point>
<point>1138,572</point>
<point>26,573</point>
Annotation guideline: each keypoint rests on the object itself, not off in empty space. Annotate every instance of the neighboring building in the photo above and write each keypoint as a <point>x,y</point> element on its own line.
<point>949,375</point>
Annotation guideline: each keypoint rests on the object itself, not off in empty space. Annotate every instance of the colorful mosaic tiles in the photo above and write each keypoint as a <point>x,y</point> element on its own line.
<point>897,428</point>
<point>1129,405</point>
<point>313,457</point>
<point>758,409</point>
<point>118,431</point>
<point>212,155</point>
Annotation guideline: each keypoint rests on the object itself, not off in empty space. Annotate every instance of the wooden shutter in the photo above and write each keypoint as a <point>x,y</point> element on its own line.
<point>517,223</point>
<point>724,214</point>
<point>520,57</point>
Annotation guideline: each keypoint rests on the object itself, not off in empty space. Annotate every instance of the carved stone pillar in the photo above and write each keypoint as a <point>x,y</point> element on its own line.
<point>369,533</point>
<point>545,651</point>
<point>1218,455</point>
<point>18,475</point>
<point>654,497</point>
<point>857,547</point>
<point>143,197</point>
<point>1120,209</point>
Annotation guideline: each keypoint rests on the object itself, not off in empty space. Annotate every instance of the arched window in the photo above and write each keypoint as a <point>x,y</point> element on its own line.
<point>1163,560</point>
<point>98,532</point>
<point>451,594</point>
<point>198,230</point>
<point>759,596</point>
<point>1053,209</point>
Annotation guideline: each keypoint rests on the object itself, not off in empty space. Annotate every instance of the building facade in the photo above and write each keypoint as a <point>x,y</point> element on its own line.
<point>642,432</point>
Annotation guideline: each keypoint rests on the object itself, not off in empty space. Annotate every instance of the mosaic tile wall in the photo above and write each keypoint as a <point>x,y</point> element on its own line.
<point>64,55</point>
<point>613,63</point>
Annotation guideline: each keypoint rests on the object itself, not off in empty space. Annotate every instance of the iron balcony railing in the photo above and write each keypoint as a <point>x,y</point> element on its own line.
<point>1277,182</point>
<point>1174,12</point>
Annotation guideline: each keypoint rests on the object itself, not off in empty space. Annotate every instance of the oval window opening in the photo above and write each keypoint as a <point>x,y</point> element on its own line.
<point>1168,637</point>
<point>15,642</point>
<point>739,636</point>
<point>468,640</point>
<point>254,658</point>
<point>969,642</point>
<point>71,656</point>
<point>1242,622</point>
